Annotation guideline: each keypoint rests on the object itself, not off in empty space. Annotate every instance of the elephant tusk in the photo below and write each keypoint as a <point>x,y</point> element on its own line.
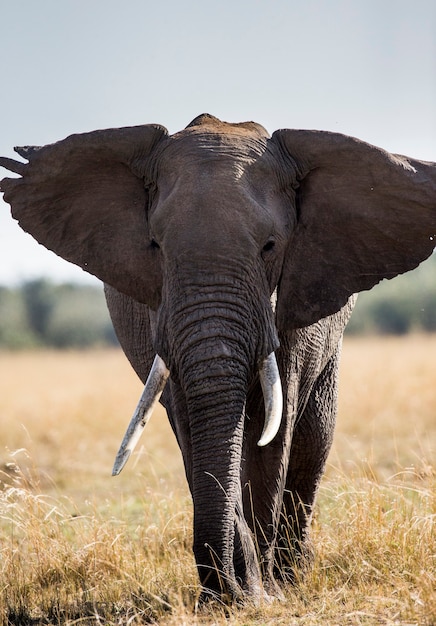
<point>273,398</point>
<point>153,389</point>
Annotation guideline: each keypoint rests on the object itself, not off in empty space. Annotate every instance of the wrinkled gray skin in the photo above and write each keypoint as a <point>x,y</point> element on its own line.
<point>193,234</point>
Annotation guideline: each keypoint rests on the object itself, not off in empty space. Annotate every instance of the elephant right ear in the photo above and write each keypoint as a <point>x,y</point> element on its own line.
<point>84,198</point>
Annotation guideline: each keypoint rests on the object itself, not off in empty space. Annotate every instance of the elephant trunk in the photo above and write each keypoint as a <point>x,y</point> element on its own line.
<point>215,394</point>
<point>217,340</point>
<point>216,418</point>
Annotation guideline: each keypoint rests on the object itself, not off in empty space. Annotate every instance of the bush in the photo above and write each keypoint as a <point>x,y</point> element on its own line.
<point>40,313</point>
<point>79,319</point>
<point>15,331</point>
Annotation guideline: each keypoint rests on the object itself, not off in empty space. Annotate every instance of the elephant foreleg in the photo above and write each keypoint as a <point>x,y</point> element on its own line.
<point>264,475</point>
<point>311,443</point>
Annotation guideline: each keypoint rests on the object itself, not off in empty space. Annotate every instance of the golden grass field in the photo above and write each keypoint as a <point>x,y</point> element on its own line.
<point>81,547</point>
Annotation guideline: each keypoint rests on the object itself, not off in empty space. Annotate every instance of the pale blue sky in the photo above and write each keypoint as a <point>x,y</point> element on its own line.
<point>362,67</point>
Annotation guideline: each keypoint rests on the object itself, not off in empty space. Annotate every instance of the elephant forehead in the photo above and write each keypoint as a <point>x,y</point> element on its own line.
<point>208,209</point>
<point>198,149</point>
<point>206,161</point>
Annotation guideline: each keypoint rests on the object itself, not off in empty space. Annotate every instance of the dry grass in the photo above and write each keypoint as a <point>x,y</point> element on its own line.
<point>80,547</point>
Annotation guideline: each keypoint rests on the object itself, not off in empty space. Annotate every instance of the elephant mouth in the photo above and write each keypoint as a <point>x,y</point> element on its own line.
<point>272,392</point>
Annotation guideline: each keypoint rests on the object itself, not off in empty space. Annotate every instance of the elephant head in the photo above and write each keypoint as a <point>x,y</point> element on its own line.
<point>196,231</point>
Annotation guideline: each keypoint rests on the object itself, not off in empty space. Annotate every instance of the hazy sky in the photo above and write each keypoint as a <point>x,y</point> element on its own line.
<point>362,67</point>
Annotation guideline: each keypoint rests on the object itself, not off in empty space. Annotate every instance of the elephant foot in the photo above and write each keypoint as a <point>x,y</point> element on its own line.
<point>295,562</point>
<point>267,594</point>
<point>273,590</point>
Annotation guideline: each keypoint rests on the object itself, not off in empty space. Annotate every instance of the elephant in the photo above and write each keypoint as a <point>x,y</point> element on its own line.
<point>231,259</point>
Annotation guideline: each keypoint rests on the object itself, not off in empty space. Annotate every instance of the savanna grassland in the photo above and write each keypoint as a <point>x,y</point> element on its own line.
<point>81,547</point>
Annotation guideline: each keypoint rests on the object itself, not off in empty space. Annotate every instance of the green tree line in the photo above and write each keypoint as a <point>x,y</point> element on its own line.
<point>399,306</point>
<point>40,313</point>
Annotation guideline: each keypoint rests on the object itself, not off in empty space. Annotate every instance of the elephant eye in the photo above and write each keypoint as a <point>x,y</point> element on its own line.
<point>268,246</point>
<point>154,244</point>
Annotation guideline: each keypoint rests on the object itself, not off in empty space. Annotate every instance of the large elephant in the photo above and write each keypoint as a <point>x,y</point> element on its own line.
<point>220,247</point>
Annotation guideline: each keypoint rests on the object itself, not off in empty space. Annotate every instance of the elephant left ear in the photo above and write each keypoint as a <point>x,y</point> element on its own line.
<point>363,215</point>
<point>84,198</point>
